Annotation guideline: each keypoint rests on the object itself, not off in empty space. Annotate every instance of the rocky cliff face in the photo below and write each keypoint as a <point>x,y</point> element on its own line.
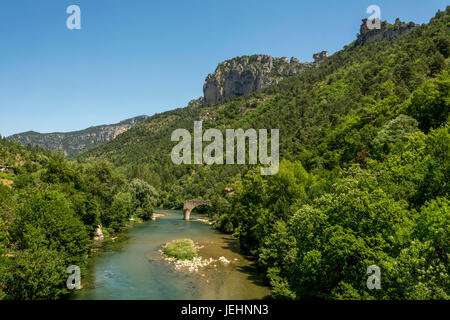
<point>76,142</point>
<point>386,32</point>
<point>321,56</point>
<point>242,75</point>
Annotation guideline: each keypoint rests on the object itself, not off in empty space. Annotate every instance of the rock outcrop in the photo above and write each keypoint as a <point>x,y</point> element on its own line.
<point>321,56</point>
<point>99,233</point>
<point>196,103</point>
<point>75,142</point>
<point>387,31</point>
<point>243,75</point>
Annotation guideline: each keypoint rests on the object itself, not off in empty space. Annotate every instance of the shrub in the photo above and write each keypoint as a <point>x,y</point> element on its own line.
<point>183,249</point>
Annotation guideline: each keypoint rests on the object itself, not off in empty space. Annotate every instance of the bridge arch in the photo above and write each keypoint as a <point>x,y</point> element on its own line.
<point>189,205</point>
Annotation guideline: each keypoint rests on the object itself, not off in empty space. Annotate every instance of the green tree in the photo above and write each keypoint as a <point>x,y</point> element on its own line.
<point>46,220</point>
<point>119,212</point>
<point>36,274</point>
<point>145,198</point>
<point>433,224</point>
<point>395,131</point>
<point>430,103</point>
<point>87,209</point>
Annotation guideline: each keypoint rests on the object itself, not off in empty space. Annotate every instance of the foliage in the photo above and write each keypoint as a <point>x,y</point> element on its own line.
<point>398,129</point>
<point>363,178</point>
<point>145,198</point>
<point>183,249</point>
<point>430,103</point>
<point>49,214</point>
<point>47,221</point>
<point>35,274</point>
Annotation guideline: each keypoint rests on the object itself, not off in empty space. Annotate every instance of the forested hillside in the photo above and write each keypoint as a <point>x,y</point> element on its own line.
<point>364,138</point>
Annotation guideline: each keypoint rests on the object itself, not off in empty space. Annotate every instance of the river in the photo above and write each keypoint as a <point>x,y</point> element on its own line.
<point>131,267</point>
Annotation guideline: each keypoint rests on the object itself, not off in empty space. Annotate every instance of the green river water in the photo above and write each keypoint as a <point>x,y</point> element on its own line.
<point>131,267</point>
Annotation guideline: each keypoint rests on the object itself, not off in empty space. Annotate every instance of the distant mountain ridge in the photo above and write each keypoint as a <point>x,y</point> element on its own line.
<point>76,142</point>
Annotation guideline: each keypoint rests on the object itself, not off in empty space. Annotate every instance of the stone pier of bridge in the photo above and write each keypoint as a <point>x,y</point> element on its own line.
<point>189,205</point>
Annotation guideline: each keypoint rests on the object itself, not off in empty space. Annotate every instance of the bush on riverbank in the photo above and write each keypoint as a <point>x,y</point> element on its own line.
<point>183,249</point>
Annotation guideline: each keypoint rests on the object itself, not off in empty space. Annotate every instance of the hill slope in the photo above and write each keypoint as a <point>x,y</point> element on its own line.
<point>328,116</point>
<point>75,142</point>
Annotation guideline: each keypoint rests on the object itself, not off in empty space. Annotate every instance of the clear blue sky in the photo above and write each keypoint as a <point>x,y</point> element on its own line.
<point>141,56</point>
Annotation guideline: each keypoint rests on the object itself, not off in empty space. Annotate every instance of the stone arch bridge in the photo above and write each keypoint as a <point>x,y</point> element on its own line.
<point>189,205</point>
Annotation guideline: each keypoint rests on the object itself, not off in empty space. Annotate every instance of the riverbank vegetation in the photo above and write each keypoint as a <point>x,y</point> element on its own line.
<point>364,139</point>
<point>49,213</point>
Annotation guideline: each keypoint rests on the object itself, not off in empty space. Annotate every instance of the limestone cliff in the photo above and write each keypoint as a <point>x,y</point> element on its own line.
<point>242,75</point>
<point>386,32</point>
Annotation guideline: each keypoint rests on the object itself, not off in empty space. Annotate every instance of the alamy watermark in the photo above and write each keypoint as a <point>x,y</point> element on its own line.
<point>74,280</point>
<point>374,279</point>
<point>214,152</point>
<point>74,20</point>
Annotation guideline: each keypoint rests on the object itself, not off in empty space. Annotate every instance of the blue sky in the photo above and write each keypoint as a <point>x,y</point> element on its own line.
<point>142,56</point>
